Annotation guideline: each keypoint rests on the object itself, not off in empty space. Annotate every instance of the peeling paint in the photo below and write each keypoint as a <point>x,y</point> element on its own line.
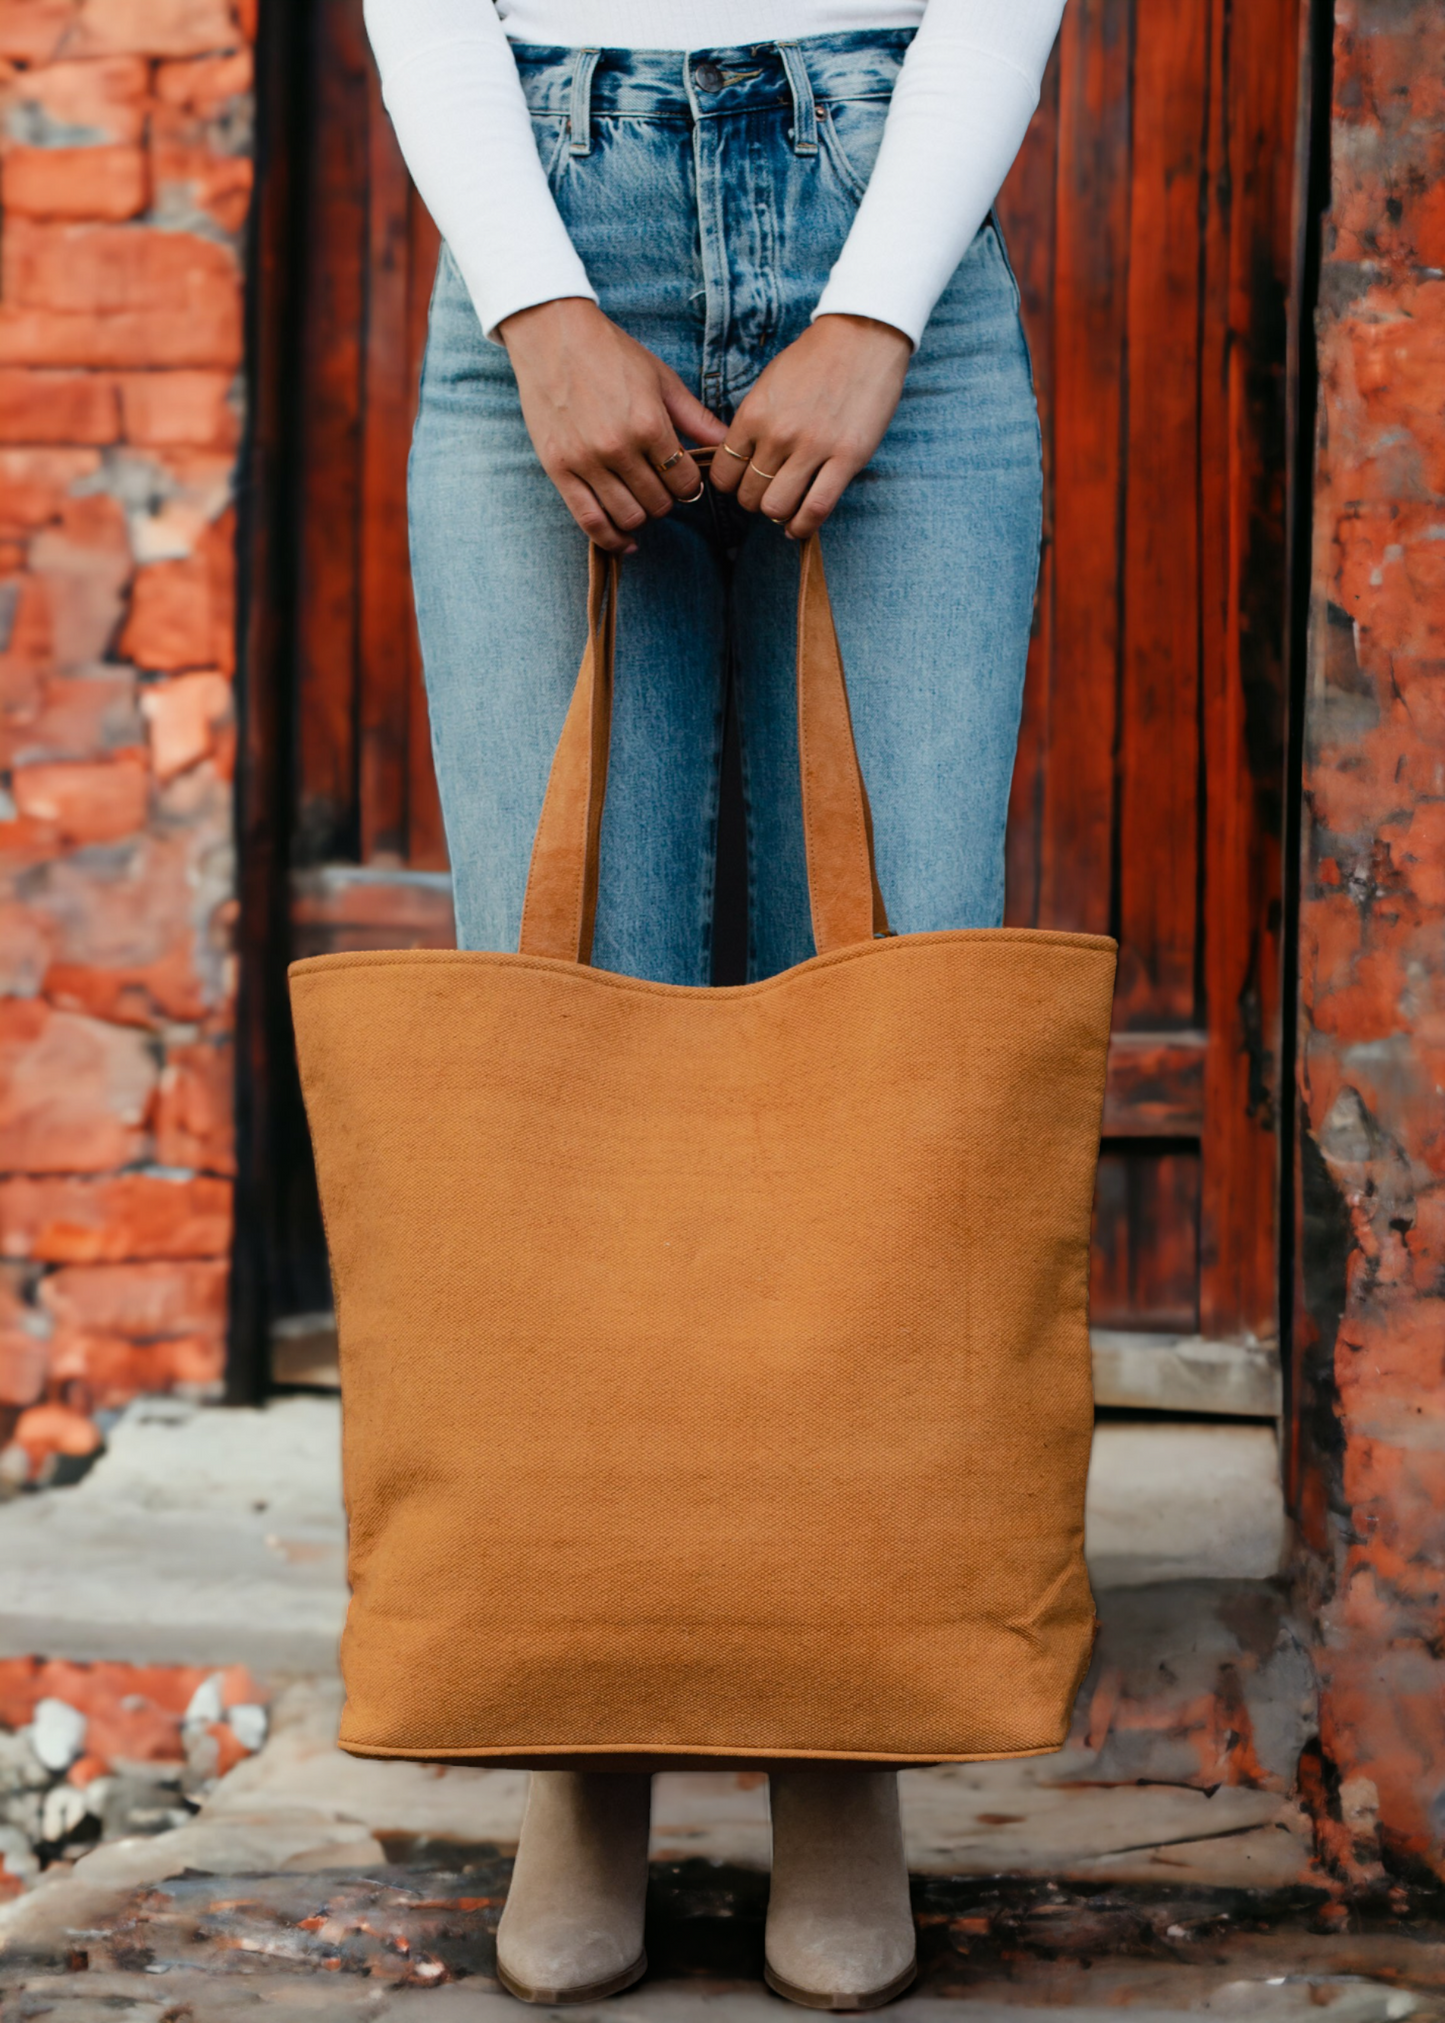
<point>1371,1353</point>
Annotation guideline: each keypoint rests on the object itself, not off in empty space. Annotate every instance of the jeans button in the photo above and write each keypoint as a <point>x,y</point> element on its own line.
<point>708,77</point>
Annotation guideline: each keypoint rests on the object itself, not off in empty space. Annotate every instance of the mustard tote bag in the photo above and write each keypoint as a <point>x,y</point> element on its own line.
<point>714,1362</point>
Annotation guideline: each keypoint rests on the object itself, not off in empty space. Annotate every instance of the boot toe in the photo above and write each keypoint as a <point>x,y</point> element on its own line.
<point>836,1966</point>
<point>560,1959</point>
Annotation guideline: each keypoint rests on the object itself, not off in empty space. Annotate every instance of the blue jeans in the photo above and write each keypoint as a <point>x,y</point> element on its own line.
<point>709,195</point>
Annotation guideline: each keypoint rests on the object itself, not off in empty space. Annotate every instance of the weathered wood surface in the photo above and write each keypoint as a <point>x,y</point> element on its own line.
<point>365,791</point>
<point>1149,218</point>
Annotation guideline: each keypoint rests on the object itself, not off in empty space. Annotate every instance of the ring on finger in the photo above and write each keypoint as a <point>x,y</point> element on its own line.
<point>676,458</point>
<point>769,475</point>
<point>729,451</point>
<point>692,501</point>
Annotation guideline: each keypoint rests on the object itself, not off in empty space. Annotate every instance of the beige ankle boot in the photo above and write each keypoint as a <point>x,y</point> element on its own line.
<point>840,1928</point>
<point>572,1927</point>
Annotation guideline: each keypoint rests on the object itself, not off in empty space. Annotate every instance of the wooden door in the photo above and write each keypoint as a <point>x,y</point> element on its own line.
<point>1150,219</point>
<point>1149,222</point>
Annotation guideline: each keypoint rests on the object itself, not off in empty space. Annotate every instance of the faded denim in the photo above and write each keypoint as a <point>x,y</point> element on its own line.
<point>709,195</point>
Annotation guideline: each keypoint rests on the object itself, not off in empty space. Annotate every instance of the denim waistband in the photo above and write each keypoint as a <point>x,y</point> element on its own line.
<point>698,84</point>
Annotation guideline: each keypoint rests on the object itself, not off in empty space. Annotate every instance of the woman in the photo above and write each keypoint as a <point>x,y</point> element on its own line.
<point>761,227</point>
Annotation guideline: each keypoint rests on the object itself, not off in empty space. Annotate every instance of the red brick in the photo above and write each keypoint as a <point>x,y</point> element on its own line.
<point>124,931</point>
<point>205,85</point>
<point>23,1353</point>
<point>73,717</point>
<point>156,27</point>
<point>190,718</point>
<point>86,182</point>
<point>147,995</point>
<point>133,1712</point>
<point>74,1093</point>
<point>107,96</point>
<point>54,1429</point>
<point>35,483</point>
<point>32,641</point>
<point>26,950</point>
<point>83,563</point>
<point>205,334</point>
<point>85,803</point>
<point>184,158</point>
<point>180,408</point>
<point>127,1217</point>
<point>139,1302</point>
<point>103,1370</point>
<point>182,613</point>
<point>115,270</point>
<point>33,30</point>
<point>194,1120</point>
<point>57,407</point>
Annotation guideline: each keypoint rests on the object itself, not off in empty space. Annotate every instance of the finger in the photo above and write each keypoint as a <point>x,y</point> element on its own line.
<point>765,467</point>
<point>687,414</point>
<point>617,501</point>
<point>637,471</point>
<point>822,496</point>
<point>682,479</point>
<point>731,461</point>
<point>781,499</point>
<point>586,509</point>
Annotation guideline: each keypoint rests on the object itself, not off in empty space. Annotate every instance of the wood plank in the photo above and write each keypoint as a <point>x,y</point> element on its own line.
<point>341,906</point>
<point>334,312</point>
<point>1158,854</point>
<point>1026,215</point>
<point>1088,354</point>
<point>383,645</point>
<point>1145,1266</point>
<point>426,840</point>
<point>266,1100</point>
<point>1249,254</point>
<point>1155,1085</point>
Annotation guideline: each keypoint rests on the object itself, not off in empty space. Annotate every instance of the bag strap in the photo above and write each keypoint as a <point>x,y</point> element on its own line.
<point>560,910</point>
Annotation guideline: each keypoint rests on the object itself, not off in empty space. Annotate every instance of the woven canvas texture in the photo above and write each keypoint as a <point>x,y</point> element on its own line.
<point>715,1365</point>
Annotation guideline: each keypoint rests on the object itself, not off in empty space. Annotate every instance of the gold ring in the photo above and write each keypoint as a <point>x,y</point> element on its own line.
<point>776,519</point>
<point>769,475</point>
<point>695,497</point>
<point>729,451</point>
<point>676,458</point>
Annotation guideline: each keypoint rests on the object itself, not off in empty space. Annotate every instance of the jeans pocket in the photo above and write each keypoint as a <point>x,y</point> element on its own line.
<point>852,133</point>
<point>550,130</point>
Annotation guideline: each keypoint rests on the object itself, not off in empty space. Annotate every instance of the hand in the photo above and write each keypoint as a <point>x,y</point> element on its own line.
<point>603,413</point>
<point>812,419</point>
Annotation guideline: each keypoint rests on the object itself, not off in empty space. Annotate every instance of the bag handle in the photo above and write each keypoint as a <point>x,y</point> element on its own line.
<point>560,910</point>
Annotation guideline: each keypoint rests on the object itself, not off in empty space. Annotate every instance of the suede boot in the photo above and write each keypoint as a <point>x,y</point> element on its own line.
<point>572,1927</point>
<point>840,1927</point>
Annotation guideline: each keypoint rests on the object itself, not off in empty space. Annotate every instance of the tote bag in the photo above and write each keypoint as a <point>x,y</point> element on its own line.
<point>714,1362</point>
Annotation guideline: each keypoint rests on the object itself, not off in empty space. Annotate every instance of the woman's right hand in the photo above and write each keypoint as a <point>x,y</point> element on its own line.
<point>604,413</point>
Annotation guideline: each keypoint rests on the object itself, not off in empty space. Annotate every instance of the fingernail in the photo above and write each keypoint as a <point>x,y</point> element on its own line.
<point>631,549</point>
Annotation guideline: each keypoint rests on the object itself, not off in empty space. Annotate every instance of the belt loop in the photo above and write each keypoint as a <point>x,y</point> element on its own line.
<point>805,115</point>
<point>579,102</point>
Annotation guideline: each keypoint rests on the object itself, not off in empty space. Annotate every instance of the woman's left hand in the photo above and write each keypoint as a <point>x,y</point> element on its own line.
<point>812,419</point>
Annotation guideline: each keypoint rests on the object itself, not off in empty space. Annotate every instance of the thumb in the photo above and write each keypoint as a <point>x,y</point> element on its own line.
<point>687,414</point>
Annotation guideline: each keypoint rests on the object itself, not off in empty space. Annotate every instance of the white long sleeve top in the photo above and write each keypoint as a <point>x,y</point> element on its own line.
<point>963,100</point>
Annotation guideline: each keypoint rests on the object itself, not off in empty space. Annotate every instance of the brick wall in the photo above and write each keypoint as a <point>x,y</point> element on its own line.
<point>125,127</point>
<point>1372,958</point>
